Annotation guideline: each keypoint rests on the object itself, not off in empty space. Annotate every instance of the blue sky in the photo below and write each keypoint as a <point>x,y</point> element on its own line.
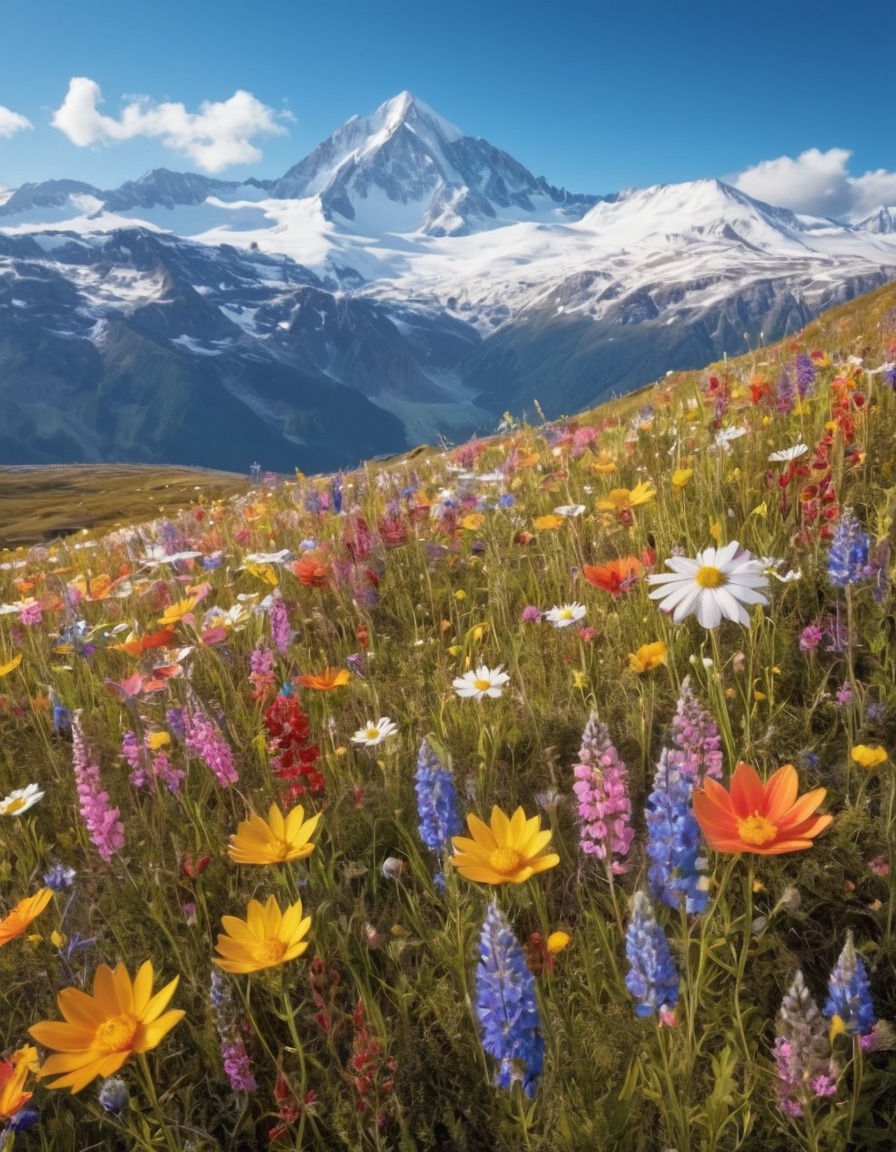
<point>594,96</point>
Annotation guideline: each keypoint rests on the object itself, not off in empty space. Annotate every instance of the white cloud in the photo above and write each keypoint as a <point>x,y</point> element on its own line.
<point>12,122</point>
<point>218,135</point>
<point>819,184</point>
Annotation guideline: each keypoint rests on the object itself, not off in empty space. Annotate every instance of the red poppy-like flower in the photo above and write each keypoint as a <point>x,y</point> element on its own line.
<point>312,572</point>
<point>616,577</point>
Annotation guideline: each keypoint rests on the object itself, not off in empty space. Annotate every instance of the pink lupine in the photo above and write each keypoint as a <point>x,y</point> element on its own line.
<point>601,788</point>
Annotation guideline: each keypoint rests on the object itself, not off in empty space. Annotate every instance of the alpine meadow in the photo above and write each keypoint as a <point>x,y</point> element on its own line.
<point>536,793</point>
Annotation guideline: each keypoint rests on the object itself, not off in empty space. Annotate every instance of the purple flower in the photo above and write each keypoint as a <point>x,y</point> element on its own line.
<point>696,737</point>
<point>281,633</point>
<point>102,822</point>
<point>601,789</point>
<point>237,1067</point>
<point>531,614</point>
<point>810,637</point>
<point>802,1051</point>
<point>206,741</point>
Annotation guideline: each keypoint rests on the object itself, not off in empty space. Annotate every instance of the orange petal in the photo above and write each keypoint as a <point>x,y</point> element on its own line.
<point>746,791</point>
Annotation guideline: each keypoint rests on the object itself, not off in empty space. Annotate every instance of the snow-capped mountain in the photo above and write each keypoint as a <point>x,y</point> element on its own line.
<point>403,280</point>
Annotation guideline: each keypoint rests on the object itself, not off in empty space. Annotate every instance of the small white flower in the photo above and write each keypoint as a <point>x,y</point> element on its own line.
<point>565,615</point>
<point>724,438</point>
<point>156,555</point>
<point>284,556</point>
<point>787,454</point>
<point>375,732</point>
<point>481,682</point>
<point>20,800</point>
<point>570,510</point>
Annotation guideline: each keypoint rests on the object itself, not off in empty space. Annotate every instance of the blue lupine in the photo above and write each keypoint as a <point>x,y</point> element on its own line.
<point>437,807</point>
<point>652,976</point>
<point>848,557</point>
<point>678,871</point>
<point>506,1005</point>
<point>849,992</point>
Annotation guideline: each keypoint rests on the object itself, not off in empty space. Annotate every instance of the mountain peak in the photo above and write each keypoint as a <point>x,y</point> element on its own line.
<point>407,110</point>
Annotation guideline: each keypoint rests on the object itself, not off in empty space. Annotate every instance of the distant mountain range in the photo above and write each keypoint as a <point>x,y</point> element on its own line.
<point>401,282</point>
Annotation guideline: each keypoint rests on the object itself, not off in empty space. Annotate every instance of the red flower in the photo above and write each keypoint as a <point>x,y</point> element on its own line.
<point>616,577</point>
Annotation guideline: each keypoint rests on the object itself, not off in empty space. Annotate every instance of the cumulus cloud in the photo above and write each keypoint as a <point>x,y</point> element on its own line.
<point>819,184</point>
<point>12,122</point>
<point>220,134</point>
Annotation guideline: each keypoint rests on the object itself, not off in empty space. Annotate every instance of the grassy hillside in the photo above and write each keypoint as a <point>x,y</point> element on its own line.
<point>530,900</point>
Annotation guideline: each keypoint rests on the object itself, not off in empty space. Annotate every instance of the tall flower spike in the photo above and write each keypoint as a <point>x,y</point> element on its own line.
<point>652,977</point>
<point>506,1005</point>
<point>696,737</point>
<point>206,741</point>
<point>678,872</point>
<point>849,992</point>
<point>802,1051</point>
<point>601,789</point>
<point>437,805</point>
<point>848,557</point>
<point>102,821</point>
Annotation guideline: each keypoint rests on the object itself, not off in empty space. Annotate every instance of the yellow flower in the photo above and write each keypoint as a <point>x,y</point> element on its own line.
<point>647,657</point>
<point>10,665</point>
<point>277,840</point>
<point>604,464</point>
<point>557,941</point>
<point>681,477</point>
<point>619,498</point>
<point>868,757</point>
<point>157,740</point>
<point>103,1030</point>
<point>548,523</point>
<point>176,612</point>
<point>19,919</point>
<point>265,939</point>
<point>507,852</point>
<point>473,522</point>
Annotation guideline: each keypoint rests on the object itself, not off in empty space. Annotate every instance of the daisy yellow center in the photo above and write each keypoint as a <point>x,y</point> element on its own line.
<point>505,861</point>
<point>565,614</point>
<point>482,685</point>
<point>15,806</point>
<point>117,1033</point>
<point>709,577</point>
<point>756,830</point>
<point>373,733</point>
<point>269,952</point>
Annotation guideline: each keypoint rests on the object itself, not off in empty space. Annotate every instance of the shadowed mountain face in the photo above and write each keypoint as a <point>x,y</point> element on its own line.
<point>403,281</point>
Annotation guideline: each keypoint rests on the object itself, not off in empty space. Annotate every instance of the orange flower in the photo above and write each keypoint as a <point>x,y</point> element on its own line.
<point>312,572</point>
<point>648,657</point>
<point>12,1083</point>
<point>324,681</point>
<point>766,818</point>
<point>19,919</point>
<point>615,577</point>
<point>549,523</point>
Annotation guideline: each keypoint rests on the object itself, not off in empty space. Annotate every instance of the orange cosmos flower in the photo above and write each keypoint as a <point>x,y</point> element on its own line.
<point>752,816</point>
<point>19,919</point>
<point>616,577</point>
<point>311,572</point>
<point>324,681</point>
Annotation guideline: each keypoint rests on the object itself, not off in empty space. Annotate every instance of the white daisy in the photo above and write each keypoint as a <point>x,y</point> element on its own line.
<point>787,454</point>
<point>375,732</point>
<point>481,682</point>
<point>715,586</point>
<point>570,510</point>
<point>565,615</point>
<point>725,438</point>
<point>20,800</point>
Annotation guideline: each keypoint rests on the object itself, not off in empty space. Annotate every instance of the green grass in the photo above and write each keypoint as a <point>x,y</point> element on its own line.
<point>371,1039</point>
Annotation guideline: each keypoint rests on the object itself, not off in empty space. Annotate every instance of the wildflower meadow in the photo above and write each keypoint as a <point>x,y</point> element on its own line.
<point>534,794</point>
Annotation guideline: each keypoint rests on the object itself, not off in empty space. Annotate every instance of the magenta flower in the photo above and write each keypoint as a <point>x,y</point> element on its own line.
<point>102,822</point>
<point>601,788</point>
